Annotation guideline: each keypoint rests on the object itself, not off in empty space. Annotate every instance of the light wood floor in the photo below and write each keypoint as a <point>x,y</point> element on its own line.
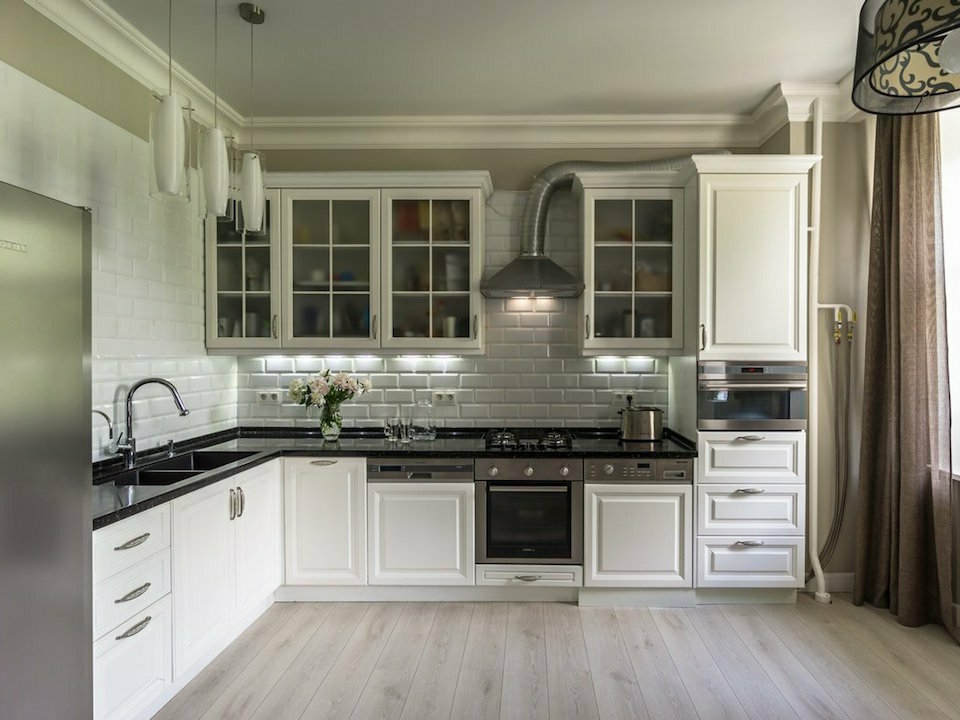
<point>420,661</point>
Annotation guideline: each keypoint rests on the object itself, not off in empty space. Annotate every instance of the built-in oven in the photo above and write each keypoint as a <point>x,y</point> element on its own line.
<point>742,396</point>
<point>529,511</point>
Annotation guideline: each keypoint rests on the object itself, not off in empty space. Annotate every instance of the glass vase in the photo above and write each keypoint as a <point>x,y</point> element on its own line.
<point>331,423</point>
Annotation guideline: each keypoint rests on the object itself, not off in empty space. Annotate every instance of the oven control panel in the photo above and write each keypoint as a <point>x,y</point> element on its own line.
<point>638,470</point>
<point>532,469</point>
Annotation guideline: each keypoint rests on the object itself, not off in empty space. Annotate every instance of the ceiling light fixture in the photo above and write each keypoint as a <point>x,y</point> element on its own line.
<point>170,136</point>
<point>908,57</point>
<point>251,166</point>
<point>215,157</point>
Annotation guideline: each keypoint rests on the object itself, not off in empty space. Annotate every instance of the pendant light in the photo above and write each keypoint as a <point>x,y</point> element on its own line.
<point>170,136</point>
<point>215,156</point>
<point>251,164</point>
<point>908,57</point>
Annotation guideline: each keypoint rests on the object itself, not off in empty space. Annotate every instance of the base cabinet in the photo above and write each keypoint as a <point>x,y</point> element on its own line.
<point>750,562</point>
<point>325,521</point>
<point>258,537</point>
<point>421,533</point>
<point>638,536</point>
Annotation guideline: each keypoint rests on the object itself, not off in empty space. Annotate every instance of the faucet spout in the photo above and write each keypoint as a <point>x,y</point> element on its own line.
<point>129,446</point>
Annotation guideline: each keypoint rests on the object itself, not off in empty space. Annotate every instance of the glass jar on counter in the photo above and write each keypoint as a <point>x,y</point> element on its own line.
<point>422,426</point>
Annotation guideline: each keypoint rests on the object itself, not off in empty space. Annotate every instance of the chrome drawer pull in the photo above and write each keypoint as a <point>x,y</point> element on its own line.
<point>243,502</point>
<point>527,578</point>
<point>323,463</point>
<point>133,594</point>
<point>138,628</point>
<point>749,491</point>
<point>233,504</point>
<point>751,438</point>
<point>130,544</point>
<point>748,543</point>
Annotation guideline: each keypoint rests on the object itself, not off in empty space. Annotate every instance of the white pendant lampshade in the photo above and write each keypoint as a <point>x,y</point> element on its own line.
<point>251,192</point>
<point>169,146</point>
<point>215,166</point>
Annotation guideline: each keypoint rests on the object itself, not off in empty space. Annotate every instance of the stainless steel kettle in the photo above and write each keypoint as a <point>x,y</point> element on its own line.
<point>641,424</point>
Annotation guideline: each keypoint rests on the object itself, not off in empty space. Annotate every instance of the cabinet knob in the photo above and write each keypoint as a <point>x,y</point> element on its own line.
<point>494,471</point>
<point>564,471</point>
<point>608,469</point>
<point>528,471</point>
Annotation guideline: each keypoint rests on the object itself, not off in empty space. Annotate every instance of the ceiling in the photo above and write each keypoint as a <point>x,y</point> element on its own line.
<point>507,57</point>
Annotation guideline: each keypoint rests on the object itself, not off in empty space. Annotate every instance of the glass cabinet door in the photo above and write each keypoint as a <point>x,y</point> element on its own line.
<point>242,281</point>
<point>634,271</point>
<point>331,268</point>
<point>432,260</point>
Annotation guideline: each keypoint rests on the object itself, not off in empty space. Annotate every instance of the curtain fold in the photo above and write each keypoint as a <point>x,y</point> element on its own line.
<point>904,540</point>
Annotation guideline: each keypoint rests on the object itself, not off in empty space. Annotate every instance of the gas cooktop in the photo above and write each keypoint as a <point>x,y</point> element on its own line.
<point>534,439</point>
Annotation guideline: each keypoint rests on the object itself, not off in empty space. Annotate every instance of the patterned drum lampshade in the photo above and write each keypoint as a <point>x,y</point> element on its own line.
<point>908,58</point>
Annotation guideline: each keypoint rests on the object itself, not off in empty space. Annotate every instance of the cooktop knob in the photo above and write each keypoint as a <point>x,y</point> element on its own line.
<point>494,471</point>
<point>608,469</point>
<point>528,471</point>
<point>564,471</point>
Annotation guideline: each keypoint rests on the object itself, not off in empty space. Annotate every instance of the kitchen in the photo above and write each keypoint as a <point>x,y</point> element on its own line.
<point>252,560</point>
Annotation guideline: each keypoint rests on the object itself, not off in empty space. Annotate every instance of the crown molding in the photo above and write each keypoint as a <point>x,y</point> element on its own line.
<point>794,102</point>
<point>101,29</point>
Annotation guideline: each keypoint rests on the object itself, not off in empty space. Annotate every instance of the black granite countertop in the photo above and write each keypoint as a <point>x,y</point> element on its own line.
<point>112,503</point>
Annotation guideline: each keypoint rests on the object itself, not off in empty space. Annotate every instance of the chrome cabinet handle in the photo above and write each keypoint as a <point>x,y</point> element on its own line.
<point>233,504</point>
<point>323,463</point>
<point>476,326</point>
<point>130,544</point>
<point>527,578</point>
<point>138,628</point>
<point>133,594</point>
<point>750,438</point>
<point>273,327</point>
<point>587,329</point>
<point>375,318</point>
<point>749,491</point>
<point>748,543</point>
<point>243,501</point>
<point>703,337</point>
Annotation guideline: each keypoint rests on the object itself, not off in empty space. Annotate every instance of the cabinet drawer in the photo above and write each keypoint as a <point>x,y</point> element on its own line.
<point>752,457</point>
<point>133,664</point>
<point>128,593</point>
<point>530,575</point>
<point>766,562</point>
<point>128,542</point>
<point>751,509</point>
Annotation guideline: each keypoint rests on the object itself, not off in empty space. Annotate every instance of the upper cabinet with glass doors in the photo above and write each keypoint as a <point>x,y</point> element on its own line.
<point>633,270</point>
<point>243,281</point>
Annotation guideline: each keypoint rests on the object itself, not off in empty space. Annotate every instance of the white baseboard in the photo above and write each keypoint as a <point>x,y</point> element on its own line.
<point>383,593</point>
<point>835,581</point>
<point>636,597</point>
<point>746,596</point>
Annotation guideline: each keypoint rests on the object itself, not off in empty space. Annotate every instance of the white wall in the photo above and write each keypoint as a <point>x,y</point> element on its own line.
<point>147,261</point>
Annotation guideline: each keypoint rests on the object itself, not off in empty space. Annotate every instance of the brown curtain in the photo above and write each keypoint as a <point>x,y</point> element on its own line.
<point>904,535</point>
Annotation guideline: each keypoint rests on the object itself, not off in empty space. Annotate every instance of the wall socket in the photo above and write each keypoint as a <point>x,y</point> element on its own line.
<point>444,399</point>
<point>268,397</point>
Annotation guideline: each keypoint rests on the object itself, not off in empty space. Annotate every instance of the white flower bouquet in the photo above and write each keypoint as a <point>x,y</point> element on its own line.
<point>326,393</point>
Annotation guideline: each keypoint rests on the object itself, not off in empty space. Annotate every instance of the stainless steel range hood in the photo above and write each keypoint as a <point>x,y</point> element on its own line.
<point>532,274</point>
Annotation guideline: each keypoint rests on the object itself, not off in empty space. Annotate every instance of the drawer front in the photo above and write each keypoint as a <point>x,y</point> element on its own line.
<point>751,509</point>
<point>530,575</point>
<point>130,592</point>
<point>753,457</point>
<point>128,542</point>
<point>133,664</point>
<point>766,562</point>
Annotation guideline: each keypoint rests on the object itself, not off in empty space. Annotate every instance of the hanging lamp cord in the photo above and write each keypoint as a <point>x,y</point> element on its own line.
<point>170,47</point>
<point>251,87</point>
<point>216,54</point>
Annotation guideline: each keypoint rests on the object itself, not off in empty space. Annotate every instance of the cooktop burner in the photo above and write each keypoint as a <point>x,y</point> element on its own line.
<point>528,439</point>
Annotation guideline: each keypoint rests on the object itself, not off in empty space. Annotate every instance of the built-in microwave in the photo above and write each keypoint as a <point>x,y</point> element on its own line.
<point>742,396</point>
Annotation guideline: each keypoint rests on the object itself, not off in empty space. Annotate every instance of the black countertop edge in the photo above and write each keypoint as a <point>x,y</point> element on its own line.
<point>115,464</point>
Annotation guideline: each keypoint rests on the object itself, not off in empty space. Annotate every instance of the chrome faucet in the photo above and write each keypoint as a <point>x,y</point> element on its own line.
<point>129,445</point>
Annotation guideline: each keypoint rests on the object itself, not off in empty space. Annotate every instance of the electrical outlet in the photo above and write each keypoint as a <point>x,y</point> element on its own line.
<point>619,398</point>
<point>444,399</point>
<point>268,397</point>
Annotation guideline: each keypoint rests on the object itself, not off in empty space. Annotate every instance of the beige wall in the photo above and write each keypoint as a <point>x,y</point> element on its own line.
<point>779,144</point>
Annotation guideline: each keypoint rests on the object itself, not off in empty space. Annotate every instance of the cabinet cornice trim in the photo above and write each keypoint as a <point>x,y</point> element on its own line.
<point>348,180</point>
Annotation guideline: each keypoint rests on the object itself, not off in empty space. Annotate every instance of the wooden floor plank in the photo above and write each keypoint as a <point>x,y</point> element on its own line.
<point>902,697</point>
<point>480,682</point>
<point>851,692</point>
<point>204,690</point>
<point>293,692</point>
<point>524,695</point>
<point>341,688</point>
<point>663,691</point>
<point>614,682</point>
<point>808,699</point>
<point>435,682</point>
<point>244,695</point>
<point>570,687</point>
<point>712,696</point>
<point>389,683</point>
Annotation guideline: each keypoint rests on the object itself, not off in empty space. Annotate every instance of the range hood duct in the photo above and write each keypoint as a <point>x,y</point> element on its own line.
<point>532,274</point>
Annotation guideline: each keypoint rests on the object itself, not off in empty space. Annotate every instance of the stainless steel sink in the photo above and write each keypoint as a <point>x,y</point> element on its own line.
<point>200,460</point>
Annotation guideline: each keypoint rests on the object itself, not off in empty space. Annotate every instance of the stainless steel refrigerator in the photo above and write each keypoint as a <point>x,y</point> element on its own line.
<point>45,485</point>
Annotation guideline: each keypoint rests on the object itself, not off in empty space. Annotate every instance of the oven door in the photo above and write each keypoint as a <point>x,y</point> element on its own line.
<point>739,405</point>
<point>529,522</point>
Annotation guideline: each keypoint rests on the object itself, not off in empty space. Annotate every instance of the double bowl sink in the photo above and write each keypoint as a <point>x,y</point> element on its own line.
<point>180,467</point>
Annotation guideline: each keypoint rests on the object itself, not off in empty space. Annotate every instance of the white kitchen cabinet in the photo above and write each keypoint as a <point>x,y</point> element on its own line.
<point>258,536</point>
<point>421,533</point>
<point>752,457</point>
<point>243,282</point>
<point>132,664</point>
<point>638,535</point>
<point>325,521</point>
<point>122,596</point>
<point>745,509</point>
<point>128,542</point>
<point>753,257</point>
<point>750,562</point>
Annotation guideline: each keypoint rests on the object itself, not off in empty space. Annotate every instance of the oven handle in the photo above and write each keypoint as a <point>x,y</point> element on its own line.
<point>724,385</point>
<point>529,488</point>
